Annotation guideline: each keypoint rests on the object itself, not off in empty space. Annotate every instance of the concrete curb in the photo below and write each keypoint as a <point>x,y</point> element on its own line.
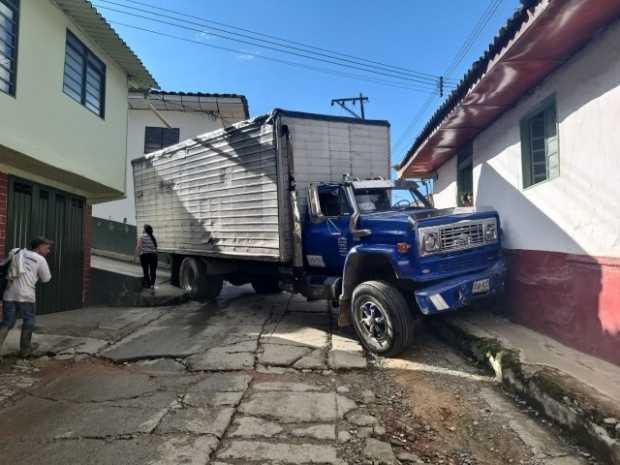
<point>561,398</point>
<point>119,290</point>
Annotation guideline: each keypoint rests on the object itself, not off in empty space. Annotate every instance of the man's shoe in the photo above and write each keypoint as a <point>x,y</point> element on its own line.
<point>4,332</point>
<point>26,347</point>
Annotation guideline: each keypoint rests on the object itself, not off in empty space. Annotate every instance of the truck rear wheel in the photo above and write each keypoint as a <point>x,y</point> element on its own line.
<point>266,285</point>
<point>381,318</point>
<point>193,279</point>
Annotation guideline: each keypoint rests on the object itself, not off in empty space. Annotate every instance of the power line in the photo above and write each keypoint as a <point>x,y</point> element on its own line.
<point>473,36</point>
<point>342,102</point>
<point>277,60</point>
<point>419,115</point>
<point>184,26</point>
<point>306,48</point>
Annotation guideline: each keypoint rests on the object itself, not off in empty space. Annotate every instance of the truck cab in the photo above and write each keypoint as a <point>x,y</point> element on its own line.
<point>387,256</point>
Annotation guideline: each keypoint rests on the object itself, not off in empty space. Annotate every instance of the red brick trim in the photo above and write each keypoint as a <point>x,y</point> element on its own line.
<point>4,206</point>
<point>572,298</point>
<point>88,237</point>
<point>4,191</point>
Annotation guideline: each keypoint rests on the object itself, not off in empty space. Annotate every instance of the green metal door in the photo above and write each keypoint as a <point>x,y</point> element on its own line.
<point>37,210</point>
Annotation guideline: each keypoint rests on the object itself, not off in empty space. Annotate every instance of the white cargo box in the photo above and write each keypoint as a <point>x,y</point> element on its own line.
<point>240,191</point>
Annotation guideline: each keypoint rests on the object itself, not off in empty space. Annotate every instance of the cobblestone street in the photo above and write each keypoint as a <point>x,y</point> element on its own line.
<point>256,380</point>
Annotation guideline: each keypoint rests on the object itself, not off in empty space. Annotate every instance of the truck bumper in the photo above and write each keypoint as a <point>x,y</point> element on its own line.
<point>456,293</point>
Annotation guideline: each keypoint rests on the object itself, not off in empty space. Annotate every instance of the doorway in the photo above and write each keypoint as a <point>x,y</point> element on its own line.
<point>36,210</point>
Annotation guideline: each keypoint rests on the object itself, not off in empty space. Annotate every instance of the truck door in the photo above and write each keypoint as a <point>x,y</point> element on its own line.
<point>326,244</point>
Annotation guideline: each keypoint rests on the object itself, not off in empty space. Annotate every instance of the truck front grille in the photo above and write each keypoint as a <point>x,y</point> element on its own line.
<point>461,236</point>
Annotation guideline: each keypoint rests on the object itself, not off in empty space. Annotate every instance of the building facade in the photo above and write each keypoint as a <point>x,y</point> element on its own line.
<point>541,146</point>
<point>158,119</point>
<point>64,80</point>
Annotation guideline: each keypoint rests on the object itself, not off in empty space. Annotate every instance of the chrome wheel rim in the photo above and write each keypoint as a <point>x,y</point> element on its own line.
<point>189,280</point>
<point>375,324</point>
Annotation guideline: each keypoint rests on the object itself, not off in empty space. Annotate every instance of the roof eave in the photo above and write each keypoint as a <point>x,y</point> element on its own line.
<point>95,26</point>
<point>521,56</point>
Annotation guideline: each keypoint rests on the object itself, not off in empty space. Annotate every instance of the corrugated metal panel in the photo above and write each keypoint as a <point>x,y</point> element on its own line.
<point>226,193</point>
<point>36,210</point>
<point>324,150</point>
<point>214,195</point>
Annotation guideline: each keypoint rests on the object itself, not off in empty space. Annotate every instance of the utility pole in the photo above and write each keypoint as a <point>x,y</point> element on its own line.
<point>343,103</point>
<point>441,86</point>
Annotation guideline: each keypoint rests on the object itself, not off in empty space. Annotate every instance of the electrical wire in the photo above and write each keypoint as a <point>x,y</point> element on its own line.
<point>416,80</point>
<point>277,60</point>
<point>473,36</point>
<point>306,48</point>
<point>417,117</point>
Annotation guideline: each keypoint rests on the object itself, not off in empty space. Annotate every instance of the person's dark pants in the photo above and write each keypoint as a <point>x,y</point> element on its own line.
<point>9,317</point>
<point>149,268</point>
<point>9,314</point>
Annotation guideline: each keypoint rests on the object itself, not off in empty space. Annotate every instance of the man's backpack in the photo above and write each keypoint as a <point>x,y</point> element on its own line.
<point>4,273</point>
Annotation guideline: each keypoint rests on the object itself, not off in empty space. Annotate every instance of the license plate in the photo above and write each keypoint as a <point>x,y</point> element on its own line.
<point>481,286</point>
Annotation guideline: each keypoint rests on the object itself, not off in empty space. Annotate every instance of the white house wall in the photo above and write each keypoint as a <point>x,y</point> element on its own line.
<point>577,212</point>
<point>444,186</point>
<point>190,124</point>
<point>49,126</point>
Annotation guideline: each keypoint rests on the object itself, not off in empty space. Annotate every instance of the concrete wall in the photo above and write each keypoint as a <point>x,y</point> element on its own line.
<point>190,124</point>
<point>113,236</point>
<point>576,212</point>
<point>50,127</point>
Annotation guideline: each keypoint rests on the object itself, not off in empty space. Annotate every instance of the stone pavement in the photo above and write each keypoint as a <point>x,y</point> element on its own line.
<point>252,380</point>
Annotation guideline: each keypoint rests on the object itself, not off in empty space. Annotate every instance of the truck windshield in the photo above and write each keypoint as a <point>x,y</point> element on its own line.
<point>379,200</point>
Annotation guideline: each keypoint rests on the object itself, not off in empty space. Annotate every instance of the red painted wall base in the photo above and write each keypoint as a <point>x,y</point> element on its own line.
<point>572,298</point>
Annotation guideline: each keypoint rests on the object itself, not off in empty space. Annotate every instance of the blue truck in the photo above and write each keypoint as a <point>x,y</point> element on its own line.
<point>302,202</point>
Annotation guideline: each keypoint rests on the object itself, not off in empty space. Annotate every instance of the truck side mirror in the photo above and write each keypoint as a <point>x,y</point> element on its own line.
<point>314,205</point>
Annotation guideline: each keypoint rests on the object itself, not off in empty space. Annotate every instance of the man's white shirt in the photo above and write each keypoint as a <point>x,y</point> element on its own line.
<point>33,267</point>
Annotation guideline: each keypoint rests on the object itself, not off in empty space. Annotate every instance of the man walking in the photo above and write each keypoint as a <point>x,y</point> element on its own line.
<point>26,269</point>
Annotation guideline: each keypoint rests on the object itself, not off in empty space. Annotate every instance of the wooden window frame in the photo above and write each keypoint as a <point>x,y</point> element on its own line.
<point>91,63</point>
<point>547,110</point>
<point>161,137</point>
<point>12,70</point>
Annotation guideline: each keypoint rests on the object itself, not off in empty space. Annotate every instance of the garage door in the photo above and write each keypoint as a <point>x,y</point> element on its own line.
<point>37,210</point>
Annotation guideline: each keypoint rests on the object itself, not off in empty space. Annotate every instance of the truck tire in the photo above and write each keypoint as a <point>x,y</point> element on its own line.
<point>266,285</point>
<point>381,318</point>
<point>193,279</point>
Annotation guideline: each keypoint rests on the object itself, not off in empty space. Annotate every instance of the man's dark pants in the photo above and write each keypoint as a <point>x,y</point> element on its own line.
<point>9,317</point>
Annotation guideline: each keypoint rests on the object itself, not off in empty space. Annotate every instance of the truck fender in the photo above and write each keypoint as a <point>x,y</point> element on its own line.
<point>363,264</point>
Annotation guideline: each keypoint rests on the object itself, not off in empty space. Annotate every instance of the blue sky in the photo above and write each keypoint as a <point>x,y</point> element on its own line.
<point>420,35</point>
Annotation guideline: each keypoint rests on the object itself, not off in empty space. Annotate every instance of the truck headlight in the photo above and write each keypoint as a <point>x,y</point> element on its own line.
<point>490,232</point>
<point>430,241</point>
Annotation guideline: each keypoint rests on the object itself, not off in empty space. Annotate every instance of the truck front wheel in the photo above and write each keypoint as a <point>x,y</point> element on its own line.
<point>194,280</point>
<point>381,318</point>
